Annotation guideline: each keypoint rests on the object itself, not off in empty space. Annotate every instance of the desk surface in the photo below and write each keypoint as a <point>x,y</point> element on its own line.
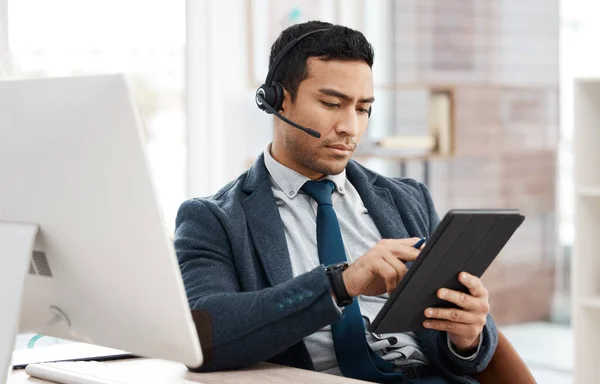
<point>263,373</point>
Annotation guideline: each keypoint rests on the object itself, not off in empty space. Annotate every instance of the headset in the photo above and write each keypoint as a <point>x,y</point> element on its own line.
<point>269,96</point>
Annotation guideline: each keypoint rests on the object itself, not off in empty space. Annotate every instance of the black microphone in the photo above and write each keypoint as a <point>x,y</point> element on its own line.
<point>311,132</point>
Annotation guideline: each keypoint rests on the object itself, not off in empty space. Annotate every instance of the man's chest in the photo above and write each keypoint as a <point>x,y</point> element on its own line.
<point>359,231</point>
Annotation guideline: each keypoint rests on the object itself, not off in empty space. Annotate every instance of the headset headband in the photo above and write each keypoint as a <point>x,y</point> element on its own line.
<point>286,49</point>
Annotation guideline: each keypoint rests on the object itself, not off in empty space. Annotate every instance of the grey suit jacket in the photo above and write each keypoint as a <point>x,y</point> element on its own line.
<point>236,269</point>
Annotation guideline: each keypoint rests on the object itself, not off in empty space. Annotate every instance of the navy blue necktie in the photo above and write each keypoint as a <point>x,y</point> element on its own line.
<point>355,358</point>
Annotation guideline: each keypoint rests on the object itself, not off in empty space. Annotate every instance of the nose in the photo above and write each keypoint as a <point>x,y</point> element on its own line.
<point>348,124</point>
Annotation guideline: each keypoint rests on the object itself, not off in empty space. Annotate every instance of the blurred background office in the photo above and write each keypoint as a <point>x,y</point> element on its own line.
<point>474,98</point>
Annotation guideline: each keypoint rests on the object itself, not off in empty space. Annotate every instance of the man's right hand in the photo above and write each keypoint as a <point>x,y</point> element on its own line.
<point>380,269</point>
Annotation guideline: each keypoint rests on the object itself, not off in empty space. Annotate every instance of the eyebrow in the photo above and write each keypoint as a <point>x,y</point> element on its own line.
<point>334,93</point>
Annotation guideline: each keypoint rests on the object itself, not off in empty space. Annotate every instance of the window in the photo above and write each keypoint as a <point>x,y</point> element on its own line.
<point>143,39</point>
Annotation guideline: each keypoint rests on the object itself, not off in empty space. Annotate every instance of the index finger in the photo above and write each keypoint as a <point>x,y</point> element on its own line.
<point>473,283</point>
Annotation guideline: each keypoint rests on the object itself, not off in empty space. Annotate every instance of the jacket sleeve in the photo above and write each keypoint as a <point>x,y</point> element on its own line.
<point>247,327</point>
<point>436,342</point>
<point>435,346</point>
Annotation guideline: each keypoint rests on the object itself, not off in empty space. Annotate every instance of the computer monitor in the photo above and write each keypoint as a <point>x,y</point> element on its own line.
<point>84,250</point>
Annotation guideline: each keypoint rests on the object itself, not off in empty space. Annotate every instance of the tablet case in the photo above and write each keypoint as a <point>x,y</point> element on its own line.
<point>465,240</point>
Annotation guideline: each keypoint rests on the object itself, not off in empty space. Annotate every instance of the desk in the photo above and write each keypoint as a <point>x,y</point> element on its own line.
<point>262,373</point>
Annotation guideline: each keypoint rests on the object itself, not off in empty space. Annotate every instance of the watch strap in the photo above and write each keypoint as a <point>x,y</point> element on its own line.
<point>336,280</point>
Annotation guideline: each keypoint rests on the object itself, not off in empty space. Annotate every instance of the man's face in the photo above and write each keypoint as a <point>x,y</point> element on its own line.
<point>333,100</point>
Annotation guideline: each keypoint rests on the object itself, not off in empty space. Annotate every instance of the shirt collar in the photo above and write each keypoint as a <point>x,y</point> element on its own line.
<point>290,181</point>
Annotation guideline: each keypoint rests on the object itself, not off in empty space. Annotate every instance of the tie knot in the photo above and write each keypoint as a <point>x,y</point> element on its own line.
<point>319,190</point>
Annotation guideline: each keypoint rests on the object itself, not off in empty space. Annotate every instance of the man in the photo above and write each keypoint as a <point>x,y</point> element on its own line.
<point>263,259</point>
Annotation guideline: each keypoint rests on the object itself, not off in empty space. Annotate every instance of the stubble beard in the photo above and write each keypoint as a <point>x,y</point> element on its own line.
<point>299,148</point>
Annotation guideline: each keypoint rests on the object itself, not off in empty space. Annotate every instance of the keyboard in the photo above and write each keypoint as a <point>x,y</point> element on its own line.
<point>93,372</point>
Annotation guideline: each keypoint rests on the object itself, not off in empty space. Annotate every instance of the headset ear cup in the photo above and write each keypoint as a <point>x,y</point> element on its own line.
<point>268,97</point>
<point>278,95</point>
<point>272,95</point>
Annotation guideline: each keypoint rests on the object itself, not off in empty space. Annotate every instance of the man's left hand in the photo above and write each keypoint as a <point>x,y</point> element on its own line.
<point>464,324</point>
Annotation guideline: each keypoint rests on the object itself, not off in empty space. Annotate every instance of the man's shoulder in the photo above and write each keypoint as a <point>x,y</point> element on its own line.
<point>403,186</point>
<point>411,197</point>
<point>224,199</point>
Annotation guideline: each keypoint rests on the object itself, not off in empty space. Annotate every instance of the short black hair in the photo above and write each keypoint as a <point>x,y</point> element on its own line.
<point>337,43</point>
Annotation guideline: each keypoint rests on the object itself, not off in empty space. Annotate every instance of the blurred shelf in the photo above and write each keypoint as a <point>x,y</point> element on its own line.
<point>585,270</point>
<point>590,302</point>
<point>588,191</point>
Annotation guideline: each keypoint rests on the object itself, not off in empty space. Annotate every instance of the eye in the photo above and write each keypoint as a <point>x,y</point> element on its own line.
<point>362,111</point>
<point>330,105</point>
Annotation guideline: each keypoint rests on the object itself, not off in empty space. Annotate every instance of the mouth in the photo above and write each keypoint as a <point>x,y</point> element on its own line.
<point>341,148</point>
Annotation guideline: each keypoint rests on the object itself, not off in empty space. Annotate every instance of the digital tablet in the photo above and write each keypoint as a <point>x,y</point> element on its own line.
<point>464,241</point>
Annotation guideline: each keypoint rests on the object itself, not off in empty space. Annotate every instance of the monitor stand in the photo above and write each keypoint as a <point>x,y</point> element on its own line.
<point>16,247</point>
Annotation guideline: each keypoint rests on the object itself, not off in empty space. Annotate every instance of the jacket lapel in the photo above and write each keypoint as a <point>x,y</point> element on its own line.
<point>265,225</point>
<point>378,201</point>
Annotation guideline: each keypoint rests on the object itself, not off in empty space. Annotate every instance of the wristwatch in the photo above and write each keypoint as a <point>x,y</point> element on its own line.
<point>336,280</point>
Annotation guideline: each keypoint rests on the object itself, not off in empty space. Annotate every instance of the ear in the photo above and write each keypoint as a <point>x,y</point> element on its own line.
<point>287,100</point>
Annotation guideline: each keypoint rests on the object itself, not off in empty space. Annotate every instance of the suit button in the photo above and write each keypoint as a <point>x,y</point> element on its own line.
<point>307,294</point>
<point>288,302</point>
<point>298,298</point>
<point>279,307</point>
